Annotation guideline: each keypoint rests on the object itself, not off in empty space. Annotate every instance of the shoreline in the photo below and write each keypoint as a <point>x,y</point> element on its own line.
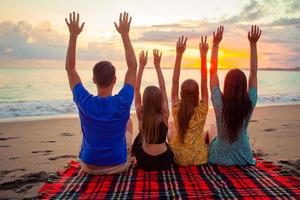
<point>75,115</point>
<point>31,151</point>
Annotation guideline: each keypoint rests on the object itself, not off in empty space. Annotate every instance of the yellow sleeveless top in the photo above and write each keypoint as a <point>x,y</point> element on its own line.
<point>194,150</point>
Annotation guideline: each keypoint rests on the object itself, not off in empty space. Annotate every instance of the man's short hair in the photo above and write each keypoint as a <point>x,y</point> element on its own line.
<point>104,73</point>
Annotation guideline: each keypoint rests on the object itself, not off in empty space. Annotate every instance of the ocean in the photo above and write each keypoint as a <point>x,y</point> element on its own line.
<point>26,91</point>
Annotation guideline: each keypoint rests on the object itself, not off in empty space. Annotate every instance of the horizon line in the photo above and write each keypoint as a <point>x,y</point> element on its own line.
<point>185,68</point>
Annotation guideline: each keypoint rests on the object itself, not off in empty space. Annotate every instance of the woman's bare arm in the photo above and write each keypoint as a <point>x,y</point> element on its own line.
<point>253,37</point>
<point>157,58</point>
<point>214,79</point>
<point>203,47</point>
<point>180,48</point>
<point>137,98</point>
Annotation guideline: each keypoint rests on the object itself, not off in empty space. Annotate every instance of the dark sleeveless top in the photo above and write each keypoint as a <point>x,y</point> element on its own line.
<point>149,162</point>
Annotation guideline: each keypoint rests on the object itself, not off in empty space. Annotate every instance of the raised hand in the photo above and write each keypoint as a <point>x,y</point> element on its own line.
<point>73,24</point>
<point>138,99</point>
<point>181,45</point>
<point>254,34</point>
<point>203,46</point>
<point>124,24</point>
<point>161,82</point>
<point>217,37</point>
<point>253,37</point>
<point>157,58</point>
<point>123,29</point>
<point>143,59</point>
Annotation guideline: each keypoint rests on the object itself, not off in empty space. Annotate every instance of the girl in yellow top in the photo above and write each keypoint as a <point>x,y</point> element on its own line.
<point>186,138</point>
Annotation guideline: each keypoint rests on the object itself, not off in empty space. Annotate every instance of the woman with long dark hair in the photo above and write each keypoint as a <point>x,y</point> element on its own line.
<point>233,108</point>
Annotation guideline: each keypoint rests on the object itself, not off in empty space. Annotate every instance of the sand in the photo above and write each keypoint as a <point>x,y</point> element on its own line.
<point>31,151</point>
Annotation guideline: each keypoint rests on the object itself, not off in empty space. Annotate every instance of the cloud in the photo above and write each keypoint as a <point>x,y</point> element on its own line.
<point>170,32</point>
<point>163,36</point>
<point>182,24</point>
<point>23,41</point>
<point>100,51</point>
<point>279,20</point>
<point>269,12</point>
<point>286,22</point>
<point>293,5</point>
<point>288,35</point>
<point>250,12</point>
<point>279,43</point>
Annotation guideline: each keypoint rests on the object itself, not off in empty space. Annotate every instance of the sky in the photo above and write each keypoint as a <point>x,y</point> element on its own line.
<point>34,33</point>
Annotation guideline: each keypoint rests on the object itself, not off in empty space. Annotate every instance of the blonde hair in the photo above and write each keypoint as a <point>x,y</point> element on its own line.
<point>188,102</point>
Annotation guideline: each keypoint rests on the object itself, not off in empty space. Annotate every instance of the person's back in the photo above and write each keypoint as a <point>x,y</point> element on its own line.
<point>186,135</point>
<point>191,149</point>
<point>156,155</point>
<point>233,108</point>
<point>149,147</point>
<point>104,117</point>
<point>223,152</point>
<point>103,122</point>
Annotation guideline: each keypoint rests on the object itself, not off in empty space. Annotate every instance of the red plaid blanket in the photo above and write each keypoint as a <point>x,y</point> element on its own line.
<point>195,182</point>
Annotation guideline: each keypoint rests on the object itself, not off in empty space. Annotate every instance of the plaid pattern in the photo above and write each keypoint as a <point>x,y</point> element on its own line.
<point>195,182</point>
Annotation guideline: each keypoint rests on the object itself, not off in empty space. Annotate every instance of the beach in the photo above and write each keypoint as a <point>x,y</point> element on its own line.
<point>93,59</point>
<point>33,150</point>
<point>32,96</point>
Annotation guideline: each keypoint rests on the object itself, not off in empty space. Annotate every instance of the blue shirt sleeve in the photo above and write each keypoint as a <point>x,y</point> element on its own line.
<point>80,95</point>
<point>253,96</point>
<point>125,96</point>
<point>216,98</point>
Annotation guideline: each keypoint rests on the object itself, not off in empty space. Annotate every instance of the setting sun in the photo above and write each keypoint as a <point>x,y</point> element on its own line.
<point>43,33</point>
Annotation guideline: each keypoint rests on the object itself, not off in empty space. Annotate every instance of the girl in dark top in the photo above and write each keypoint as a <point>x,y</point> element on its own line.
<point>150,147</point>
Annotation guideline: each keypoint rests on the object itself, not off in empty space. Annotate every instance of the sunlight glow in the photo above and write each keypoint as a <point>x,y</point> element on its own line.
<point>30,40</point>
<point>39,29</point>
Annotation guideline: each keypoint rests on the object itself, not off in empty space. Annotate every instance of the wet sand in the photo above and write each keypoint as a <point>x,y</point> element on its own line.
<point>31,151</point>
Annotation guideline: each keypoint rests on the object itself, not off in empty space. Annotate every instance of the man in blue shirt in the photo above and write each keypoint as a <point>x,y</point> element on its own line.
<point>103,117</point>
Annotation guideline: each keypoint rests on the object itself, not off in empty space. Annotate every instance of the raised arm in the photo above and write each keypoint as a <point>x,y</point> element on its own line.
<point>253,37</point>
<point>123,29</point>
<point>180,48</point>
<point>214,79</point>
<point>137,99</point>
<point>203,47</point>
<point>75,30</point>
<point>157,58</point>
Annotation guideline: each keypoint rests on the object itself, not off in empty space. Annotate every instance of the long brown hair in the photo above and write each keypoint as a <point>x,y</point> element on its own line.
<point>189,100</point>
<point>236,103</point>
<point>152,108</point>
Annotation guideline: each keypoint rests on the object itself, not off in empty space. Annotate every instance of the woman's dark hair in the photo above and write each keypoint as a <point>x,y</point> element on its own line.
<point>152,107</point>
<point>189,100</point>
<point>236,103</point>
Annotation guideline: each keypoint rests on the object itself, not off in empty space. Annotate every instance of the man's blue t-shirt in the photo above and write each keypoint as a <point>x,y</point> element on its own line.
<point>103,124</point>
